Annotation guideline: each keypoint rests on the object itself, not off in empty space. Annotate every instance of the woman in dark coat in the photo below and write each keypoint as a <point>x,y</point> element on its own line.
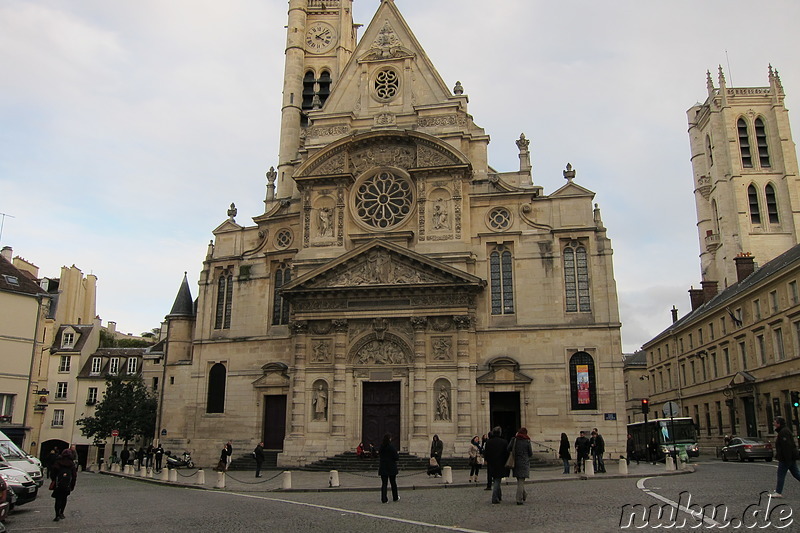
<point>521,447</point>
<point>65,474</point>
<point>387,468</point>
<point>563,452</point>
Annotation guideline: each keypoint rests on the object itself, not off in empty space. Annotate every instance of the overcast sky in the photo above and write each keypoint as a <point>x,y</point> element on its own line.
<point>127,128</point>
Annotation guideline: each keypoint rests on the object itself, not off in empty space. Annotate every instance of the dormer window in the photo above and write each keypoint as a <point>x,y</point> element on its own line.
<point>113,366</point>
<point>97,364</point>
<point>132,361</point>
<point>11,280</point>
<point>68,340</point>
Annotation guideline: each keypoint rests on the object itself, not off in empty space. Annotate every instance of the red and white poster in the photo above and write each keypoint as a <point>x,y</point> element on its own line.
<point>584,395</point>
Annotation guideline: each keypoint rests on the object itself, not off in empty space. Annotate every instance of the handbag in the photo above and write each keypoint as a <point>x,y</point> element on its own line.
<point>433,462</point>
<point>511,456</point>
<point>53,485</point>
<point>480,460</point>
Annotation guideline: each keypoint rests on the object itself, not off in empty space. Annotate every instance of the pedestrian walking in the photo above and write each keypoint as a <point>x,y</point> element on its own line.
<point>435,466</point>
<point>140,457</point>
<point>786,453</point>
<point>563,452</point>
<point>484,440</point>
<point>496,453</point>
<point>159,455</point>
<point>125,456</point>
<point>148,456</point>
<point>652,450</point>
<point>475,458</point>
<point>225,457</point>
<point>521,447</point>
<point>258,454</point>
<point>65,473</point>
<point>387,468</point>
<point>630,450</point>
<point>598,449</point>
<point>581,452</point>
<point>49,461</point>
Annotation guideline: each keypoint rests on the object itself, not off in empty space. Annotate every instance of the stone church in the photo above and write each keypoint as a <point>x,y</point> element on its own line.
<point>395,282</point>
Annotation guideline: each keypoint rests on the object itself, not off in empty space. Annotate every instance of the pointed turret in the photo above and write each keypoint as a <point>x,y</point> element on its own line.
<point>184,305</point>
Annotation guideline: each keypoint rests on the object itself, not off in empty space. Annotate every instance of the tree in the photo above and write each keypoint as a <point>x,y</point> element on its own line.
<point>127,406</point>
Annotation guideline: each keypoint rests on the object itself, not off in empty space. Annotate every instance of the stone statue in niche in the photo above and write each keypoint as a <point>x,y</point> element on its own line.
<point>325,222</point>
<point>321,352</point>
<point>443,403</point>
<point>320,402</point>
<point>440,218</point>
<point>441,349</point>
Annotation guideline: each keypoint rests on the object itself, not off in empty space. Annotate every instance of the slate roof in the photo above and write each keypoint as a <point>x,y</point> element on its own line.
<point>788,259</point>
<point>183,305</point>
<point>83,331</point>
<point>107,353</point>
<point>24,285</point>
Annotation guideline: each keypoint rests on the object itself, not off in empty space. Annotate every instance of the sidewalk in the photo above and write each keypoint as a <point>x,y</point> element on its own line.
<point>303,481</point>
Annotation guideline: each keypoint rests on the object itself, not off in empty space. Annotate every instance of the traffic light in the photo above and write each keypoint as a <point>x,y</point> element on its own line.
<point>795,399</point>
<point>645,406</point>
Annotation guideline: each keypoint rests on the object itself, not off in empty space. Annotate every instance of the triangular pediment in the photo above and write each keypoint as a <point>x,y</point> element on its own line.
<point>379,264</point>
<point>572,189</point>
<point>227,226</point>
<point>388,41</point>
<point>504,371</point>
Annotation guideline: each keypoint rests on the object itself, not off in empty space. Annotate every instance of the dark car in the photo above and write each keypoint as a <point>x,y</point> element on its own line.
<point>742,448</point>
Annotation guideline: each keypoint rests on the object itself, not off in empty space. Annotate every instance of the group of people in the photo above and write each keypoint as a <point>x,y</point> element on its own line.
<point>365,452</point>
<point>143,457</point>
<point>594,446</point>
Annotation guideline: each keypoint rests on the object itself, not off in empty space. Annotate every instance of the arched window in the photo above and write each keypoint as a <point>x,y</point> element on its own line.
<point>280,307</point>
<point>709,153</point>
<point>576,278</point>
<point>715,212</point>
<point>744,143</point>
<point>501,281</point>
<point>752,200</point>
<point>224,302</point>
<point>216,389</point>
<point>324,82</point>
<point>772,204</point>
<point>761,143</point>
<point>582,382</point>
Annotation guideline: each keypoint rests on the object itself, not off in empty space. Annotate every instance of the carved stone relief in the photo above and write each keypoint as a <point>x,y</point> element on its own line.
<point>378,268</point>
<point>382,154</point>
<point>380,353</point>
<point>442,348</point>
<point>441,323</point>
<point>321,351</point>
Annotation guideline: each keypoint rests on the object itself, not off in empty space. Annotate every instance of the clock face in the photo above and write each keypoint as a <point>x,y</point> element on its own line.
<point>320,37</point>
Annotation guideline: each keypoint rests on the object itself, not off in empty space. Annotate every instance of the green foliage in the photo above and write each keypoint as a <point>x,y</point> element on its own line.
<point>107,340</point>
<point>127,406</point>
<point>133,343</point>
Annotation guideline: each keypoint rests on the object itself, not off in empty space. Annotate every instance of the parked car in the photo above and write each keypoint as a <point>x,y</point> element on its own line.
<point>21,460</point>
<point>23,486</point>
<point>5,500</point>
<point>742,448</point>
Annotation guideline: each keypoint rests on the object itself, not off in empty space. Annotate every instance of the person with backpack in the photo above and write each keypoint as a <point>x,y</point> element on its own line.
<point>65,474</point>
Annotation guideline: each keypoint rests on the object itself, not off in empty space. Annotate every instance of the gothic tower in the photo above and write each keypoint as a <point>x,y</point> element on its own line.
<point>745,176</point>
<point>320,38</point>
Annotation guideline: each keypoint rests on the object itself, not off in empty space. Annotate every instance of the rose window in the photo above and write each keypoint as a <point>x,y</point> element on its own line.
<point>499,219</point>
<point>387,83</point>
<point>383,200</point>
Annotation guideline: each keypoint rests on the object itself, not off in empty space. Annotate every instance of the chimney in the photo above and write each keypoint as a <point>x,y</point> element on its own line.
<point>696,297</point>
<point>745,265</point>
<point>709,290</point>
<point>674,314</point>
<point>7,253</point>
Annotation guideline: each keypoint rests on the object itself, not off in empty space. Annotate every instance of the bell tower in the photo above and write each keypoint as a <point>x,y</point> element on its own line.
<point>320,38</point>
<point>747,192</point>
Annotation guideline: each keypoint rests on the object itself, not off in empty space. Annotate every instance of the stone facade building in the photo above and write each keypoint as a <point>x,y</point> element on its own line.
<point>395,282</point>
<point>732,362</point>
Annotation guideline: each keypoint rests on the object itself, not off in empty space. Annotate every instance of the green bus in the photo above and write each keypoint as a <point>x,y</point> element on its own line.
<point>678,432</point>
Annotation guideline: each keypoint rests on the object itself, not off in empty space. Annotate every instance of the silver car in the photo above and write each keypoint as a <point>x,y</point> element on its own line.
<point>747,449</point>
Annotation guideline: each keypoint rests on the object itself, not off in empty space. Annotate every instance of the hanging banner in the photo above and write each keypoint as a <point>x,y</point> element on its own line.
<point>584,395</point>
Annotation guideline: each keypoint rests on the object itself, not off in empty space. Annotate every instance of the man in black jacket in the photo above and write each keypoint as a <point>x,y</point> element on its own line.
<point>582,447</point>
<point>786,454</point>
<point>258,454</point>
<point>495,454</point>
<point>598,449</point>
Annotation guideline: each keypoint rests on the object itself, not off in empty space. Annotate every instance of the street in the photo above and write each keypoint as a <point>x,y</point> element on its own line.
<point>103,503</point>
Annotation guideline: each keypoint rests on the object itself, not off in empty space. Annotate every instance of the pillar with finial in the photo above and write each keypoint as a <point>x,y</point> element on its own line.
<point>569,173</point>
<point>458,89</point>
<point>723,87</point>
<point>271,177</point>
<point>524,154</point>
<point>232,212</point>
<point>709,84</point>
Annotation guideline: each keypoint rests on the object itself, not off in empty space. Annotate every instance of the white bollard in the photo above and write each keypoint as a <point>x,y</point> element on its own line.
<point>588,468</point>
<point>173,476</point>
<point>201,477</point>
<point>682,465</point>
<point>149,473</point>
<point>127,470</point>
<point>287,480</point>
<point>669,464</point>
<point>447,474</point>
<point>220,480</point>
<point>142,472</point>
<point>623,467</point>
<point>165,474</point>
<point>333,478</point>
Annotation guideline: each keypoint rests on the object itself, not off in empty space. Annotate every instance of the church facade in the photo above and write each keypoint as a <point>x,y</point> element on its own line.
<point>395,282</point>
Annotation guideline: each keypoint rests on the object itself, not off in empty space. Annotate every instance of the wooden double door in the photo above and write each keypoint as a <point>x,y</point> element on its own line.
<point>380,412</point>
